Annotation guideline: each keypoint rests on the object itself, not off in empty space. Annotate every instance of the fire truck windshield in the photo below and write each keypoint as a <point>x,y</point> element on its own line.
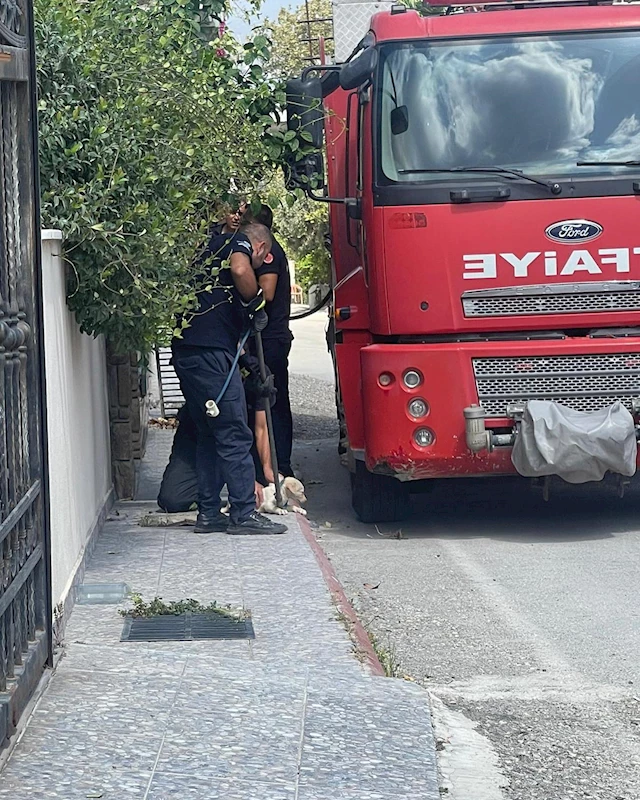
<point>535,104</point>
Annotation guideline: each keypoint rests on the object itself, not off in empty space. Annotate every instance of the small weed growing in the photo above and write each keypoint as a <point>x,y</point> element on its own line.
<point>157,607</point>
<point>386,657</point>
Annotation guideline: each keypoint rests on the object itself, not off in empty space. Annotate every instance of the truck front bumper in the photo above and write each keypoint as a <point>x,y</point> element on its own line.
<point>584,373</point>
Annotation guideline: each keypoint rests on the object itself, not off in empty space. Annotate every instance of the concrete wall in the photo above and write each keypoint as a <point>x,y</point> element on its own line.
<point>154,394</point>
<point>78,419</point>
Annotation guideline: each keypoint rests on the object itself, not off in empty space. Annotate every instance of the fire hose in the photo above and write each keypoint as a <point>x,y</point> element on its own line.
<point>313,310</point>
<point>212,406</point>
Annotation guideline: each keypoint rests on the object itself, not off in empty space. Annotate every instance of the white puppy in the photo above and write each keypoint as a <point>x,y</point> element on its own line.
<point>293,497</point>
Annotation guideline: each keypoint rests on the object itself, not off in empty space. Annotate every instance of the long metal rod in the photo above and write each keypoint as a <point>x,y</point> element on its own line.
<point>272,441</point>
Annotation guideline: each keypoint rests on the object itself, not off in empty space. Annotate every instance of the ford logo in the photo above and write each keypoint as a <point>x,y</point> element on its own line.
<point>571,231</point>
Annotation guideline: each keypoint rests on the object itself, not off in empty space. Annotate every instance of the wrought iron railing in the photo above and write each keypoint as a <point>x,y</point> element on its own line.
<point>24,574</point>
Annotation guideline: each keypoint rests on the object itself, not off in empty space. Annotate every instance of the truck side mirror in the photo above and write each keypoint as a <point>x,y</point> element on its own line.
<point>330,81</point>
<point>399,119</point>
<point>354,73</point>
<point>304,108</point>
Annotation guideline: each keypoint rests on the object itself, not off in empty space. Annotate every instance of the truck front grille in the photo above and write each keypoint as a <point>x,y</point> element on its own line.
<point>564,298</point>
<point>583,382</point>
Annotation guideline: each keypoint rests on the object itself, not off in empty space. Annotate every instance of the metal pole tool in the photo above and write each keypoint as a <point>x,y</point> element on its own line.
<point>272,442</point>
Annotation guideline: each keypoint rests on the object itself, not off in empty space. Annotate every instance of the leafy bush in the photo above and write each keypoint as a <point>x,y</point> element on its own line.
<point>151,117</point>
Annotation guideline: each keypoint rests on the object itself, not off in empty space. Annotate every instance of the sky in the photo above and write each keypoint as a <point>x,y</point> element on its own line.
<point>268,10</point>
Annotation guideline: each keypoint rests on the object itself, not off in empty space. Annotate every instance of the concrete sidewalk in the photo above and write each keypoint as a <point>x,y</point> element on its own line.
<point>290,715</point>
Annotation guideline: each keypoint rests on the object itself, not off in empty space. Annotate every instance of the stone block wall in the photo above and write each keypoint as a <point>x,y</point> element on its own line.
<point>128,414</point>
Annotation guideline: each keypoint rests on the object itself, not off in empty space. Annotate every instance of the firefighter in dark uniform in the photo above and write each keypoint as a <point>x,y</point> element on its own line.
<point>179,488</point>
<point>228,300</point>
<point>233,218</point>
<point>275,281</point>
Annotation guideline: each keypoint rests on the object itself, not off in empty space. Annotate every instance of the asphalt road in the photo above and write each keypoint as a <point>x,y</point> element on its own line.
<point>520,617</point>
<point>309,355</point>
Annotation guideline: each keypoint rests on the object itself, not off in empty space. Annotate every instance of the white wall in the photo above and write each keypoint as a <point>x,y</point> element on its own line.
<point>154,395</point>
<point>78,420</point>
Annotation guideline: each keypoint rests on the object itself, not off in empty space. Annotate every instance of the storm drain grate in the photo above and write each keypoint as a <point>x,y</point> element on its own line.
<point>185,628</point>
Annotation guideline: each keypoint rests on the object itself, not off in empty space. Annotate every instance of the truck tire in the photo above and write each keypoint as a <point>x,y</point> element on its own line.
<point>378,498</point>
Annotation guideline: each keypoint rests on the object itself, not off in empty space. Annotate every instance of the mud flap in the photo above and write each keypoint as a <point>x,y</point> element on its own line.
<point>577,446</point>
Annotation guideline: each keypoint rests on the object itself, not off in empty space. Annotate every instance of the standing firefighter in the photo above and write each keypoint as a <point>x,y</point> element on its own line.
<point>275,282</point>
<point>233,217</point>
<point>228,301</point>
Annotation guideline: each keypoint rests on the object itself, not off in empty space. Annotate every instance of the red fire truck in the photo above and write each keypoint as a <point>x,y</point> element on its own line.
<point>483,171</point>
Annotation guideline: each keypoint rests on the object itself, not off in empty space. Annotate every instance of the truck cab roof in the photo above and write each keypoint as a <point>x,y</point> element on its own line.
<point>406,25</point>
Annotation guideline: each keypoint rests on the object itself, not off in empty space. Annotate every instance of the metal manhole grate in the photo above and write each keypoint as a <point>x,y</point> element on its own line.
<point>185,628</point>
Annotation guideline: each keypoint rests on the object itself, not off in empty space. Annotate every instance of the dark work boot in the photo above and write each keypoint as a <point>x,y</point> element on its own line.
<point>255,524</point>
<point>216,524</point>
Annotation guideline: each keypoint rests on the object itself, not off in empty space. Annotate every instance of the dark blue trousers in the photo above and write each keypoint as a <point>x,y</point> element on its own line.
<point>223,451</point>
<point>276,356</point>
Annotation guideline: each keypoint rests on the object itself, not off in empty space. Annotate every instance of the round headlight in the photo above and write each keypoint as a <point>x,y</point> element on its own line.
<point>424,437</point>
<point>418,408</point>
<point>385,379</point>
<point>412,378</point>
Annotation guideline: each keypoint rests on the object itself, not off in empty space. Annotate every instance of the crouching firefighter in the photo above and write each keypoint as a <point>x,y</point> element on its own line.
<point>179,488</point>
<point>205,359</point>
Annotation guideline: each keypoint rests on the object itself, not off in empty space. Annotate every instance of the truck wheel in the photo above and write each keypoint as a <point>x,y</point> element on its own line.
<point>378,498</point>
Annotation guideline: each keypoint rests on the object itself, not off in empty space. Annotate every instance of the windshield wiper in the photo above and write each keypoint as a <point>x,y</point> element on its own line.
<point>553,187</point>
<point>607,163</point>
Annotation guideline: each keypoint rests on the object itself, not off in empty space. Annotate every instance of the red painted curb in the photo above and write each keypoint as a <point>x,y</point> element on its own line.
<point>358,632</point>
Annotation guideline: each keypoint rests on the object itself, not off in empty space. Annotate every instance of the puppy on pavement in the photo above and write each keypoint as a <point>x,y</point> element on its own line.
<point>293,497</point>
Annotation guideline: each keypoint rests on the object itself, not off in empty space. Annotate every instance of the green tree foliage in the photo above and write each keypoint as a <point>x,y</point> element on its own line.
<point>424,9</point>
<point>313,269</point>
<point>150,119</point>
<point>301,223</point>
<point>302,226</point>
<point>290,54</point>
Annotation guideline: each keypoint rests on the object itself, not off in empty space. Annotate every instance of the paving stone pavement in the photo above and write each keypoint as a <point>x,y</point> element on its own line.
<point>290,715</point>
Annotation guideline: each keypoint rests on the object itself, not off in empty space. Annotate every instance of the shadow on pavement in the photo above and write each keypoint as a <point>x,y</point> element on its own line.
<point>509,509</point>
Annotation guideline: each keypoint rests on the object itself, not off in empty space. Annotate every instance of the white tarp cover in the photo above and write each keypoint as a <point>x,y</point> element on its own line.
<point>577,446</point>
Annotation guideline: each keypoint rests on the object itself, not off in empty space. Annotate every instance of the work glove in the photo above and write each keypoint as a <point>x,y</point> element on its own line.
<point>266,387</point>
<point>259,320</point>
<point>255,312</point>
<point>256,389</point>
<point>255,304</point>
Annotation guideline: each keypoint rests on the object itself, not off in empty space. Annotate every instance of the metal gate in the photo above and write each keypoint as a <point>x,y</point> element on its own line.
<point>25,604</point>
